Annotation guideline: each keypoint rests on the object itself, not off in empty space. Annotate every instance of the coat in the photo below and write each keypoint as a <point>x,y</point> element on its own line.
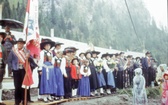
<point>74,74</point>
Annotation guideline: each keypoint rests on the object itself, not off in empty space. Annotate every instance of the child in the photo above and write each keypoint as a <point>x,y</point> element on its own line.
<point>59,75</point>
<point>84,83</point>
<point>139,92</point>
<point>76,76</point>
<point>165,89</point>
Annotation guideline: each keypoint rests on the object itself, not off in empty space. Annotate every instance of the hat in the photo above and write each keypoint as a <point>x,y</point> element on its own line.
<point>116,54</point>
<point>106,54</point>
<point>58,43</point>
<point>3,34</point>
<point>121,53</point>
<point>147,53</point>
<point>165,74</point>
<point>46,41</point>
<point>129,56</point>
<point>73,48</point>
<point>95,52</point>
<point>68,50</point>
<point>81,53</point>
<point>20,40</point>
<point>111,55</point>
<point>137,58</point>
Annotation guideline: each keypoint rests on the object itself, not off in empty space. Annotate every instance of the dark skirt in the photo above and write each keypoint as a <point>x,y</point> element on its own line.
<point>84,87</point>
<point>120,79</point>
<point>116,78</point>
<point>59,81</point>
<point>94,83</point>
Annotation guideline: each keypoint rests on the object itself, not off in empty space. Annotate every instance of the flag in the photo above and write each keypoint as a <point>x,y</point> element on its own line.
<point>31,31</point>
<point>31,28</point>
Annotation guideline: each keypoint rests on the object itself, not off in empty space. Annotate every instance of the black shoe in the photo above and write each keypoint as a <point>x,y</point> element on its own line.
<point>103,94</point>
<point>56,98</point>
<point>40,99</point>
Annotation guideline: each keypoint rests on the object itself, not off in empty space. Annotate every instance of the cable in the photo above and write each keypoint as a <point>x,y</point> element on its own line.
<point>133,23</point>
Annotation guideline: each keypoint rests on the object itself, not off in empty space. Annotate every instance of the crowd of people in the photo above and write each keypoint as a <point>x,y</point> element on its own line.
<point>64,74</point>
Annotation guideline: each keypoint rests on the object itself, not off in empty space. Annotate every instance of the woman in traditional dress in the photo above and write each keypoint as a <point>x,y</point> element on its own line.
<point>57,60</point>
<point>109,66</point>
<point>94,83</point>
<point>139,91</point>
<point>48,85</point>
<point>84,83</point>
<point>98,63</point>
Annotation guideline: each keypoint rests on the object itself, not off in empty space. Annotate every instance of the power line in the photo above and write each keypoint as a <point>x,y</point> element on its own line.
<point>133,23</point>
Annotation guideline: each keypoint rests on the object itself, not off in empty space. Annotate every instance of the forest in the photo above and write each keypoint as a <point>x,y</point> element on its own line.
<point>105,23</point>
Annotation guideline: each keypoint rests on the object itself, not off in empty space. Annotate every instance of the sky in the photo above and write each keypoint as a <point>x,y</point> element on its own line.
<point>158,10</point>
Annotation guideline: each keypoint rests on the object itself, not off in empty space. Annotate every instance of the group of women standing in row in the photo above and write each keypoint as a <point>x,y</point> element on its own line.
<point>63,75</point>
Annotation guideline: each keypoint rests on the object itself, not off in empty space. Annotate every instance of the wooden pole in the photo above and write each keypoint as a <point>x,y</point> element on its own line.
<point>25,95</point>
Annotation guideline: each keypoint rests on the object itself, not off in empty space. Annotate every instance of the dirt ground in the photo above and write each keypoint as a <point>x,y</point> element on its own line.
<point>122,99</point>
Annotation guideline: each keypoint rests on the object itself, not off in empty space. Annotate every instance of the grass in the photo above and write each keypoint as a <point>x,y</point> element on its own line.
<point>151,92</point>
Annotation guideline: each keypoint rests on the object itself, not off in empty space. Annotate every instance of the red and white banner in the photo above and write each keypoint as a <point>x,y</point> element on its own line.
<point>31,28</point>
<point>31,31</point>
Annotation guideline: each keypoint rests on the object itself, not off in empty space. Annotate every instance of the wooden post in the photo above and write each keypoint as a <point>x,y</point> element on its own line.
<point>25,95</point>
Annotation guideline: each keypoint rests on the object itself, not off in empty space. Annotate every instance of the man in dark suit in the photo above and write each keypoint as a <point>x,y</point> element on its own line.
<point>16,60</point>
<point>146,64</point>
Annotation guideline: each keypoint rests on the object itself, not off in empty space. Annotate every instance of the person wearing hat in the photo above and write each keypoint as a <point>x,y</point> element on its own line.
<point>98,63</point>
<point>108,73</point>
<point>115,72</point>
<point>94,83</point>
<point>146,64</point>
<point>84,83</point>
<point>74,51</point>
<point>57,61</point>
<point>57,48</point>
<point>81,58</point>
<point>47,82</point>
<point>76,76</point>
<point>16,62</point>
<point>66,70</point>
<point>3,58</point>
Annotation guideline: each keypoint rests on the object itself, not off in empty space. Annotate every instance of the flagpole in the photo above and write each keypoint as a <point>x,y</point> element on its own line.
<point>30,35</point>
<point>25,97</point>
<point>26,65</point>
